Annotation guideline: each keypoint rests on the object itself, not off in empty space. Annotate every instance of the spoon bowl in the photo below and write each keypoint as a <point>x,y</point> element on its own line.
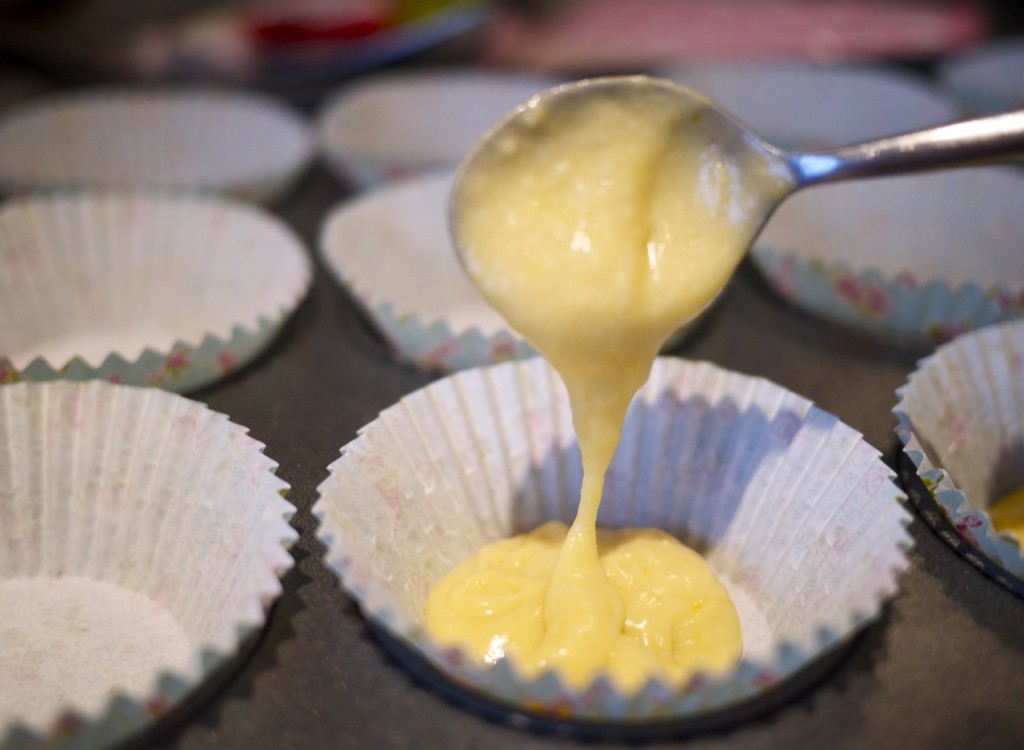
<point>638,187</point>
<point>720,134</point>
<point>764,174</point>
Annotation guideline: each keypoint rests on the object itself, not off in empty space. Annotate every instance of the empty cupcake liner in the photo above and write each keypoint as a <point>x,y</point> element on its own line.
<point>960,418</point>
<point>391,249</point>
<point>914,260</point>
<point>234,142</point>
<point>142,288</point>
<point>395,125</point>
<point>986,78</point>
<point>793,510</point>
<point>143,538</point>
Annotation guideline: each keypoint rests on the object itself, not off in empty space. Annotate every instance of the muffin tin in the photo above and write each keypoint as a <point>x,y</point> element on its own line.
<point>325,380</point>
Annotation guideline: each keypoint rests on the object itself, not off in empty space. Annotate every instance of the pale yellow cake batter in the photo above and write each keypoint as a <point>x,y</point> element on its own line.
<point>669,615</point>
<point>1007,513</point>
<point>597,232</point>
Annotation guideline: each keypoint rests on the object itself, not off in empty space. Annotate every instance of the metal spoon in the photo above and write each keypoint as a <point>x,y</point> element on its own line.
<point>965,143</point>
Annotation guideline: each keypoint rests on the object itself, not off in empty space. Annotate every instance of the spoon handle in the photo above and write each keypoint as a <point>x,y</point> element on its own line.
<point>959,144</point>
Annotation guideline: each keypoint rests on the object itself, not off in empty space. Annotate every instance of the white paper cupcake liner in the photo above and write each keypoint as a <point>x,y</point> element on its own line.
<point>143,539</point>
<point>234,142</point>
<point>910,260</point>
<point>960,418</point>
<point>792,509</point>
<point>391,249</point>
<point>913,260</point>
<point>986,78</point>
<point>395,125</point>
<point>142,288</point>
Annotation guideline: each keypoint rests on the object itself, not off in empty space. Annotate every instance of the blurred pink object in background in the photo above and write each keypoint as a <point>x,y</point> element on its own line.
<point>617,34</point>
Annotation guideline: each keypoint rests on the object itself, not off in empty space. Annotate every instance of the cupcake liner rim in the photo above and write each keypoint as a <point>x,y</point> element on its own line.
<point>656,698</point>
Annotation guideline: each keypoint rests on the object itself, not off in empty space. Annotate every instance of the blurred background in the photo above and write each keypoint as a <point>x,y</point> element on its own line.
<point>300,46</point>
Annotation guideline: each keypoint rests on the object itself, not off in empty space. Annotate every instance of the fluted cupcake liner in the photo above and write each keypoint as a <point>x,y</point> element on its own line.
<point>396,125</point>
<point>142,287</point>
<point>391,249</point>
<point>795,513</point>
<point>240,143</point>
<point>143,539</point>
<point>914,260</point>
<point>960,418</point>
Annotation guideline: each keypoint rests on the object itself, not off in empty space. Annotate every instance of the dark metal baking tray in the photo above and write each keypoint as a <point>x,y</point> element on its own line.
<point>943,668</point>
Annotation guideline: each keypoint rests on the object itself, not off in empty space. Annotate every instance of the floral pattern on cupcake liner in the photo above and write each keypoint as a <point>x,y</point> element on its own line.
<point>436,346</point>
<point>899,307</point>
<point>972,526</point>
<point>184,368</point>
